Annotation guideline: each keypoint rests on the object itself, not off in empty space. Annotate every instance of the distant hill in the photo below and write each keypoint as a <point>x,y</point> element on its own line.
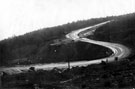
<point>50,45</point>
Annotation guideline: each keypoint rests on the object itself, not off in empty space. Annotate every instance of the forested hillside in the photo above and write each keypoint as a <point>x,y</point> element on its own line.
<point>121,30</point>
<point>35,47</point>
<point>48,45</point>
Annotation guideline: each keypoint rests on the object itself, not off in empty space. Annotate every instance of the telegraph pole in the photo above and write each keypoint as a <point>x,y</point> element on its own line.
<point>68,64</point>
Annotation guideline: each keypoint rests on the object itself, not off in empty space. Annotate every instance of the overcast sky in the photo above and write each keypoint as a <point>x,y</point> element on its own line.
<point>21,16</point>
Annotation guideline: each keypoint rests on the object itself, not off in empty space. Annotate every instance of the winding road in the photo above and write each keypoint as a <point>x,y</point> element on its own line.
<point>118,50</point>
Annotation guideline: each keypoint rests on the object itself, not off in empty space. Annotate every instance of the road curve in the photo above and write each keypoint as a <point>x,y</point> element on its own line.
<point>119,51</point>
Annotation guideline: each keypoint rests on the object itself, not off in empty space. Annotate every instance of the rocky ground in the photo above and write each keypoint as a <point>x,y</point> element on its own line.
<point>105,75</point>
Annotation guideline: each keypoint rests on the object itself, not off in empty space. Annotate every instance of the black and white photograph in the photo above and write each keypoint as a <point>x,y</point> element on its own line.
<point>67,44</point>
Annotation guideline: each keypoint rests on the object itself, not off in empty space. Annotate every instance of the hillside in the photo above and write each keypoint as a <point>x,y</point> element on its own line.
<point>50,45</point>
<point>115,75</point>
<point>121,30</point>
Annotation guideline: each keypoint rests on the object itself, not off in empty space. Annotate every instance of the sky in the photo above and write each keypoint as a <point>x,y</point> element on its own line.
<point>18,17</point>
